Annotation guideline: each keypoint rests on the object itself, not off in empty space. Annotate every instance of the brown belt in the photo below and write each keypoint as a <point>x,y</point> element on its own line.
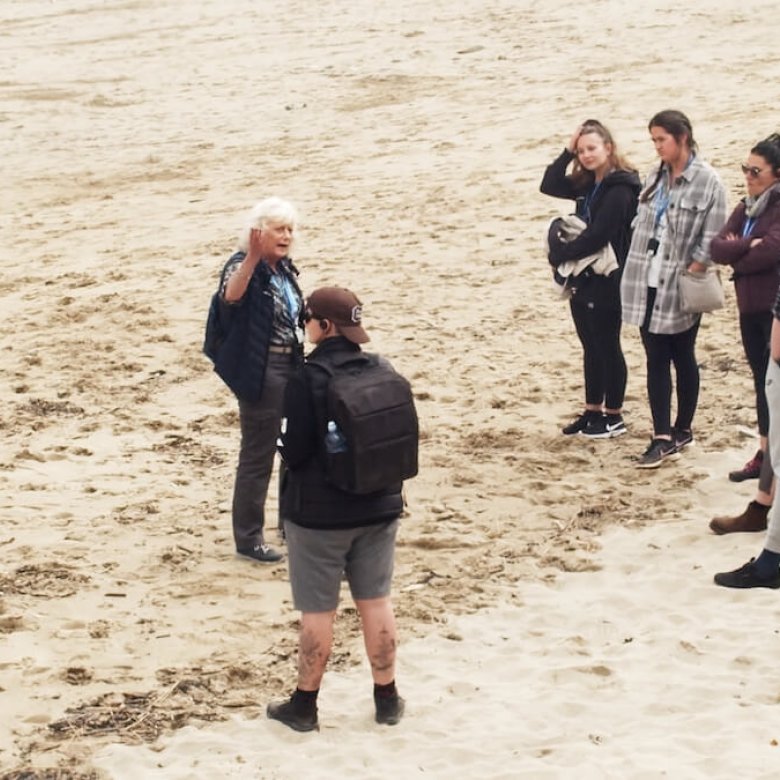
<point>279,349</point>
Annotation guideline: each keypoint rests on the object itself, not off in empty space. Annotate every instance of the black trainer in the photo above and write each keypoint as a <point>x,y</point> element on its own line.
<point>608,426</point>
<point>747,577</point>
<point>262,553</point>
<point>286,712</point>
<point>658,451</point>
<point>581,423</point>
<point>682,438</point>
<point>389,709</point>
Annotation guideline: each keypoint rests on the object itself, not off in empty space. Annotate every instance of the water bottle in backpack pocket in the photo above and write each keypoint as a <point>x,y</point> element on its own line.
<point>334,439</point>
<point>372,432</point>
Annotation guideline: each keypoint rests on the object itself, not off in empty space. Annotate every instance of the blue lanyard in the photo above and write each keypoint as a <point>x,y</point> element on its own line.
<point>588,200</point>
<point>664,194</point>
<point>284,285</point>
<point>747,228</point>
<point>661,203</point>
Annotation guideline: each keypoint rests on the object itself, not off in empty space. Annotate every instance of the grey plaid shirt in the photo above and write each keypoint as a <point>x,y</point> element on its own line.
<point>696,212</point>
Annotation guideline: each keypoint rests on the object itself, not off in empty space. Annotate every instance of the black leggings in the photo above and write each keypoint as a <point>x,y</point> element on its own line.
<point>756,329</point>
<point>605,367</point>
<point>662,350</point>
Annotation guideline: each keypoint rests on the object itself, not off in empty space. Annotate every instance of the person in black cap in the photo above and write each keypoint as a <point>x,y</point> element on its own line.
<point>332,533</point>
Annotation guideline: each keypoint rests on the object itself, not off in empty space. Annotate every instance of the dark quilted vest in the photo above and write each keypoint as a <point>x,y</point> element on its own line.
<point>243,355</point>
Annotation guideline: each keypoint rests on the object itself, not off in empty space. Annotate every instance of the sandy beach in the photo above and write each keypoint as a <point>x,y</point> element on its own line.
<point>556,607</point>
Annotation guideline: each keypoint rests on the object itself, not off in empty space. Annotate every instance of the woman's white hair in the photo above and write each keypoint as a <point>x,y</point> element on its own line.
<point>272,210</point>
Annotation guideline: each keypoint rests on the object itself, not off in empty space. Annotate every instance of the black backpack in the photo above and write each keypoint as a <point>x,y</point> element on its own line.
<point>217,325</point>
<point>373,407</point>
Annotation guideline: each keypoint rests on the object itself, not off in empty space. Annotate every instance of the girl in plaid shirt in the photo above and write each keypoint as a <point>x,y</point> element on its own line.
<point>681,209</point>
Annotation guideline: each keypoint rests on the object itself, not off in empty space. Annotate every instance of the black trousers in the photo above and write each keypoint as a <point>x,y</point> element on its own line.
<point>662,351</point>
<point>260,421</point>
<point>756,329</point>
<point>598,328</point>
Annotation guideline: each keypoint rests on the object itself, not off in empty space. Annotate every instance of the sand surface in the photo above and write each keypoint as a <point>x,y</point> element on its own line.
<point>555,604</point>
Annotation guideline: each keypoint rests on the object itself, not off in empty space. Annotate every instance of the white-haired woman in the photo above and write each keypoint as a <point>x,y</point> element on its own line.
<point>260,305</point>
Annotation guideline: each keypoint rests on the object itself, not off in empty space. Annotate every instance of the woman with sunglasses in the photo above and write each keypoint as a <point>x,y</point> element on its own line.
<point>750,243</point>
<point>681,209</point>
<point>605,188</point>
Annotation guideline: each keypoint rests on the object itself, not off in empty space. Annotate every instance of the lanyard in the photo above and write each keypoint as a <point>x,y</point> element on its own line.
<point>586,203</point>
<point>661,203</point>
<point>747,228</point>
<point>664,194</point>
<point>284,285</point>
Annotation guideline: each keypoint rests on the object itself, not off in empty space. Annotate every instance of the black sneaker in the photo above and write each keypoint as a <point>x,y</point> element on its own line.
<point>608,426</point>
<point>579,425</point>
<point>658,451</point>
<point>747,577</point>
<point>262,553</point>
<point>286,712</point>
<point>682,438</point>
<point>389,709</point>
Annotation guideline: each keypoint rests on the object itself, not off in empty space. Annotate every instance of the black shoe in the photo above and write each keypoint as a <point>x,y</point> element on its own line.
<point>607,426</point>
<point>581,423</point>
<point>658,451</point>
<point>747,577</point>
<point>262,553</point>
<point>389,709</point>
<point>286,712</point>
<point>682,438</point>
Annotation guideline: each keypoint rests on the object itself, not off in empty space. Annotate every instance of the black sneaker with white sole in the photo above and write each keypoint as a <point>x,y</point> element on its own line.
<point>579,424</point>
<point>682,438</point>
<point>608,426</point>
<point>260,552</point>
<point>658,451</point>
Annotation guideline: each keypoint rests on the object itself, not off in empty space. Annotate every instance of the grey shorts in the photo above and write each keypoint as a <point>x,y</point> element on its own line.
<point>318,559</point>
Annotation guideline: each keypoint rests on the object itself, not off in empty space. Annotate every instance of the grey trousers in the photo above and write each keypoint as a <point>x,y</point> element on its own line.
<point>772,388</point>
<point>259,431</point>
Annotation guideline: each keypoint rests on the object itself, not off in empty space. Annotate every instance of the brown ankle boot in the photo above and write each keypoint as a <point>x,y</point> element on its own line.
<point>752,519</point>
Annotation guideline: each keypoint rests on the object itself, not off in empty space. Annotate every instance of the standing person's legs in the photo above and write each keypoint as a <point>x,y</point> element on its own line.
<point>316,560</point>
<point>259,430</point>
<point>314,645</point>
<point>683,352</point>
<point>764,571</point>
<point>315,639</point>
<point>755,330</point>
<point>379,637</point>
<point>608,325</point>
<point>658,355</point>
<point>369,572</point>
<point>593,369</point>
<point>772,393</point>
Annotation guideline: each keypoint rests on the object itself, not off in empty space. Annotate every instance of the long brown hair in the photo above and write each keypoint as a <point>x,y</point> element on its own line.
<point>618,162</point>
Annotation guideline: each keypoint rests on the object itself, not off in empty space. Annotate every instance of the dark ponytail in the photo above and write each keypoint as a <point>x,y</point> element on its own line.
<point>676,124</point>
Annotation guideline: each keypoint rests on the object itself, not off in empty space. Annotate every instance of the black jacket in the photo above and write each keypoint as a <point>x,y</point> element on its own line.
<point>306,497</point>
<point>611,212</point>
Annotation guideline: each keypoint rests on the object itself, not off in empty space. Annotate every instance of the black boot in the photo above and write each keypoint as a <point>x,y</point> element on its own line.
<point>299,712</point>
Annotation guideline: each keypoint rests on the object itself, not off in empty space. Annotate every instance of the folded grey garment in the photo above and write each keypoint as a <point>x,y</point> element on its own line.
<point>603,262</point>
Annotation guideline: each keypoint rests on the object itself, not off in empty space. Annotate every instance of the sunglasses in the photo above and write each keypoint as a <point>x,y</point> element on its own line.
<point>308,315</point>
<point>752,170</point>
